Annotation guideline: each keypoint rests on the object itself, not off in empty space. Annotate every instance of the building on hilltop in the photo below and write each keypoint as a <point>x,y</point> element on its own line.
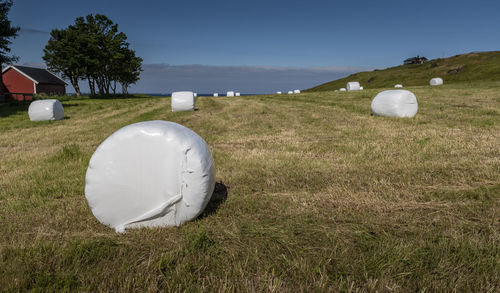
<point>22,82</point>
<point>415,60</point>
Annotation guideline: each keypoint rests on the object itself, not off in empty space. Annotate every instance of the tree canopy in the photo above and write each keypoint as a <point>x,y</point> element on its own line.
<point>7,32</point>
<point>93,49</point>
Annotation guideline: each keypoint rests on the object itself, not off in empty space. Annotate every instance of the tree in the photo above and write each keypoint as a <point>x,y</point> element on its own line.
<point>7,31</point>
<point>62,55</point>
<point>95,50</point>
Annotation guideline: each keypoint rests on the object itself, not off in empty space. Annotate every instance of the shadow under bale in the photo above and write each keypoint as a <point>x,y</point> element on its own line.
<point>218,197</point>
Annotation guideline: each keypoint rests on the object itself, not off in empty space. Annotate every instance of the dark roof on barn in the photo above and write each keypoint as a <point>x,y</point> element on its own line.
<point>39,75</point>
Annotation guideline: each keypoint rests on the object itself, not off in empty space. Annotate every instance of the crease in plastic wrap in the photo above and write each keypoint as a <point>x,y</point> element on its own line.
<point>46,110</point>
<point>150,174</point>
<point>395,103</point>
<point>182,101</point>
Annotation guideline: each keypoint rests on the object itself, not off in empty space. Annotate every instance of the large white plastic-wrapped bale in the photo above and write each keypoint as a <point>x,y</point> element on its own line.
<point>395,103</point>
<point>342,89</point>
<point>216,94</point>
<point>182,101</point>
<point>398,86</point>
<point>150,174</point>
<point>290,92</point>
<point>436,81</point>
<point>296,91</point>
<point>353,86</point>
<point>237,94</point>
<point>278,92</point>
<point>46,110</point>
<point>230,94</point>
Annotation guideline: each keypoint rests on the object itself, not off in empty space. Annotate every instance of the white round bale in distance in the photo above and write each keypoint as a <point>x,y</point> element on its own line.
<point>296,91</point>
<point>237,94</point>
<point>195,95</point>
<point>395,103</point>
<point>361,88</point>
<point>46,110</point>
<point>290,92</point>
<point>230,94</point>
<point>398,86</point>
<point>342,89</point>
<point>216,94</point>
<point>278,92</point>
<point>353,86</point>
<point>436,81</point>
<point>182,101</point>
<point>150,174</point>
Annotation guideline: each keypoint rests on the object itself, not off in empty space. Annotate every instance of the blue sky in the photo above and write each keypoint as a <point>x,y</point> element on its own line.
<point>263,46</point>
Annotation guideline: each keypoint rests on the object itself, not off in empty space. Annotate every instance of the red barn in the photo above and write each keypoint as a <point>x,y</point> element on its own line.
<point>21,82</point>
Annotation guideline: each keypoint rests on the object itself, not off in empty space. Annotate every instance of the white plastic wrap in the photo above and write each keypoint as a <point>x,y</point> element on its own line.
<point>46,110</point>
<point>182,101</point>
<point>342,89</point>
<point>296,91</point>
<point>398,86</point>
<point>230,94</point>
<point>195,95</point>
<point>278,92</point>
<point>150,174</point>
<point>395,103</point>
<point>216,94</point>
<point>361,88</point>
<point>353,86</point>
<point>290,92</point>
<point>436,81</point>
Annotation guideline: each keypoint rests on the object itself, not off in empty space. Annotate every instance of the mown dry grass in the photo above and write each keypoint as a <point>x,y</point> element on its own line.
<point>322,197</point>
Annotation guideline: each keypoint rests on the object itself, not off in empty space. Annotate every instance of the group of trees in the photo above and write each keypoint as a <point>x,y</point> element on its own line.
<point>7,32</point>
<point>93,49</point>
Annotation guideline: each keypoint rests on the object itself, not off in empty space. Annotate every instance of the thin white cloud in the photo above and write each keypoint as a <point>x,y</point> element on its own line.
<point>165,78</point>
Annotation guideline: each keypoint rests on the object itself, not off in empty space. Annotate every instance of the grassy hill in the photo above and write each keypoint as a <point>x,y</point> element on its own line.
<point>322,197</point>
<point>472,67</point>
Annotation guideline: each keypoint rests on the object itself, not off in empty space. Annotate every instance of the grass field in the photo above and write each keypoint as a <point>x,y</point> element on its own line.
<point>321,197</point>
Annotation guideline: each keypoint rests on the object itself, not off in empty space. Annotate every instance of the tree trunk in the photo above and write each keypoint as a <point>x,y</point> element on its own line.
<point>91,87</point>
<point>74,83</point>
<point>113,87</point>
<point>124,88</point>
<point>2,94</point>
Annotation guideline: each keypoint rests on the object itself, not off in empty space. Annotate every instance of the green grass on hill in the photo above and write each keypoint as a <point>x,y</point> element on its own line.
<point>467,68</point>
<point>322,197</point>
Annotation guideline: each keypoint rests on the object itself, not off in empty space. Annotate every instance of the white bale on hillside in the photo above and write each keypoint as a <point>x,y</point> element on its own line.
<point>436,81</point>
<point>216,94</point>
<point>361,88</point>
<point>398,85</point>
<point>278,92</point>
<point>237,94</point>
<point>150,174</point>
<point>195,95</point>
<point>46,110</point>
<point>353,86</point>
<point>230,94</point>
<point>296,91</point>
<point>182,101</point>
<point>290,92</point>
<point>342,89</point>
<point>395,103</point>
